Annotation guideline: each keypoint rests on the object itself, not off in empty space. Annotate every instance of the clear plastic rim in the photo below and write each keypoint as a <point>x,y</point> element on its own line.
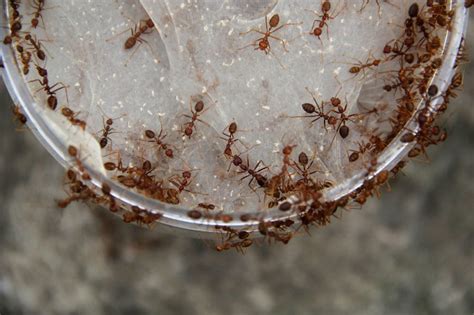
<point>175,216</point>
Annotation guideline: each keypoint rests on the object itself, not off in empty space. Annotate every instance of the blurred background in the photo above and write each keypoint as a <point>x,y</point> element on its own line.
<point>409,252</point>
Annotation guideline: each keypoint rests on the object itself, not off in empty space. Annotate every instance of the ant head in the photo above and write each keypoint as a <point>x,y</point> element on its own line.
<point>335,101</point>
<point>288,149</point>
<point>326,6</point>
<point>263,44</point>
<point>72,151</point>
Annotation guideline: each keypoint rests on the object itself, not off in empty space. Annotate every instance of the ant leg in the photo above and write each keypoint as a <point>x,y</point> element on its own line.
<point>251,31</point>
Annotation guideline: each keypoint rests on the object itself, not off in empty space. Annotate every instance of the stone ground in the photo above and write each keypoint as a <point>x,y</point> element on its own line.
<point>409,252</point>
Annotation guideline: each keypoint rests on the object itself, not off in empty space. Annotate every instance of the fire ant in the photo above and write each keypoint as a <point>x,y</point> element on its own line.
<point>206,206</point>
<point>36,44</point>
<point>360,67</point>
<point>363,147</point>
<point>71,116</point>
<point>107,131</point>
<point>323,21</point>
<point>15,23</point>
<point>254,173</point>
<point>143,27</point>
<point>182,182</point>
<point>263,43</point>
<point>19,116</point>
<point>74,153</point>
<point>196,113</point>
<point>303,168</point>
<point>50,90</point>
<point>38,5</point>
<point>158,140</point>
<point>232,129</point>
<point>342,128</point>
<point>316,111</point>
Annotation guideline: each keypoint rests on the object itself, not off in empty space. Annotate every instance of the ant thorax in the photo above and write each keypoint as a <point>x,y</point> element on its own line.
<point>209,95</point>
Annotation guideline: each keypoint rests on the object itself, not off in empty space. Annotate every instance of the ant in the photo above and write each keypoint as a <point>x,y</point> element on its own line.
<point>232,129</point>
<point>316,111</point>
<point>206,206</point>
<point>254,173</point>
<point>191,125</point>
<point>74,153</point>
<point>363,147</point>
<point>182,182</point>
<point>36,44</point>
<point>323,21</point>
<point>143,27</point>
<point>71,116</point>
<point>107,130</point>
<point>38,5</point>
<point>15,24</point>
<point>360,67</point>
<point>25,57</point>
<point>342,128</point>
<point>50,90</point>
<point>263,43</point>
<point>19,116</point>
<point>158,140</point>
<point>303,168</point>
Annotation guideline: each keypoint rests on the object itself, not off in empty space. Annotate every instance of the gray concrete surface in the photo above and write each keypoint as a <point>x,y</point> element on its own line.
<point>409,252</point>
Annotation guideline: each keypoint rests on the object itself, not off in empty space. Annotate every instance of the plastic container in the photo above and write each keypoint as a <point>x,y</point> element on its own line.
<point>175,216</point>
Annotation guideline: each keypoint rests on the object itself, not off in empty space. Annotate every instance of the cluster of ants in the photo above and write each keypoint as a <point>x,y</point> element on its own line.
<point>293,190</point>
<point>31,51</point>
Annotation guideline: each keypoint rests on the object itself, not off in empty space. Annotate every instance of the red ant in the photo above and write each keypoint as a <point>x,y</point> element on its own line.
<point>232,129</point>
<point>324,18</point>
<point>361,66</point>
<point>303,168</point>
<point>263,43</point>
<point>143,27</point>
<point>342,128</point>
<point>15,24</point>
<point>182,182</point>
<point>107,131</point>
<point>158,140</point>
<point>254,173</point>
<point>36,44</point>
<point>363,147</point>
<point>50,90</point>
<point>71,116</point>
<point>25,57</point>
<point>315,111</point>
<point>38,5</point>
<point>74,153</point>
<point>206,206</point>
<point>20,117</point>
<point>191,125</point>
